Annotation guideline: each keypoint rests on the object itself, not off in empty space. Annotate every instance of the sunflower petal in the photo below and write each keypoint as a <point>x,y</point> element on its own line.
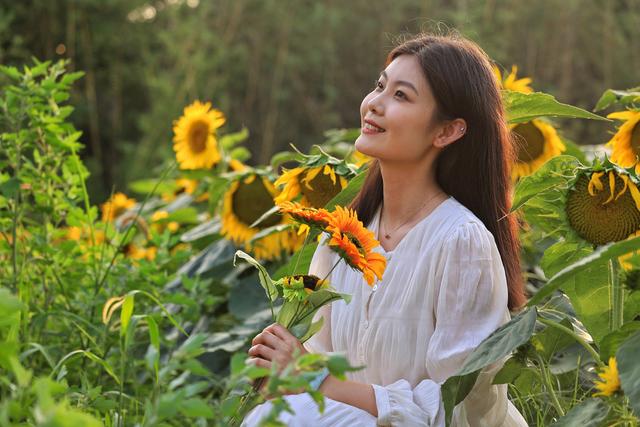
<point>595,182</point>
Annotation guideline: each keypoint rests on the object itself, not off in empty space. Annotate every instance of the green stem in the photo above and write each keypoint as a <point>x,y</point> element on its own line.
<point>304,244</point>
<point>549,386</point>
<point>616,297</point>
<point>571,333</point>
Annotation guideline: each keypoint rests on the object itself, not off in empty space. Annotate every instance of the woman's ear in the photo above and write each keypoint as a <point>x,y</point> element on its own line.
<point>450,132</point>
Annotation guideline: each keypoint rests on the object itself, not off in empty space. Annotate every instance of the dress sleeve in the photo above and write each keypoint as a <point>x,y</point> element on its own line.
<point>321,264</point>
<point>470,303</point>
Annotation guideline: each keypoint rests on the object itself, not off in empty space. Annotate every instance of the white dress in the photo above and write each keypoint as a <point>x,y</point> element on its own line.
<point>443,291</point>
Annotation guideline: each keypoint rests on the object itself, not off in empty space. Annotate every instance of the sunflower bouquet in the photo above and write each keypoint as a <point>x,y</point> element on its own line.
<point>304,294</point>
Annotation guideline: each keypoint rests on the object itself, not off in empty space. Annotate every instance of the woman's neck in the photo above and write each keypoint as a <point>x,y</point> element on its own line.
<point>405,192</point>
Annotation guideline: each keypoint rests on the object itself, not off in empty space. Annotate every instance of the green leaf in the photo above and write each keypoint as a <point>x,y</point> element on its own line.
<point>196,407</point>
<point>562,253</point>
<point>265,279</point>
<point>502,342</point>
<point>126,312</point>
<point>588,263</point>
<point>611,96</point>
<point>524,107</point>
<point>509,372</point>
<point>12,72</point>
<point>10,187</point>
<point>612,341</point>
<point>588,413</point>
<point>146,186</point>
<point>629,370</point>
<point>231,139</point>
<point>498,345</point>
<point>553,174</point>
<point>550,340</point>
<point>454,390</point>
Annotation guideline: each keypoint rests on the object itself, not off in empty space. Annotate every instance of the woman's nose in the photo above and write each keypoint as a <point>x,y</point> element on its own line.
<point>375,105</point>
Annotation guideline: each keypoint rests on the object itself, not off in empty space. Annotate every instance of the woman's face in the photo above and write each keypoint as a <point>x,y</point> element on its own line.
<point>395,117</point>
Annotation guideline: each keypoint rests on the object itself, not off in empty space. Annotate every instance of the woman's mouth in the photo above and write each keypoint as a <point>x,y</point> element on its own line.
<point>370,128</point>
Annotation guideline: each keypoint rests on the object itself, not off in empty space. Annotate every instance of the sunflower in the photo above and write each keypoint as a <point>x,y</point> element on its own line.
<point>159,223</point>
<point>609,381</point>
<point>355,243</point>
<point>116,206</point>
<point>299,286</point>
<point>536,142</point>
<point>602,213</point>
<point>310,216</point>
<point>136,253</point>
<point>625,144</point>
<point>511,82</point>
<point>194,138</point>
<point>358,158</point>
<point>245,201</point>
<point>316,188</point>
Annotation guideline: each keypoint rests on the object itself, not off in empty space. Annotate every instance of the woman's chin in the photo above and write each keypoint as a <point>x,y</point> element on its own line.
<point>364,145</point>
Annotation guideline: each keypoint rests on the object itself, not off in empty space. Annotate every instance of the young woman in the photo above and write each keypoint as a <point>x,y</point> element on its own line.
<point>437,197</point>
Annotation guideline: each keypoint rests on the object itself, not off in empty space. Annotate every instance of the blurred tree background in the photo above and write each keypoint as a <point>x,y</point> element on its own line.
<point>287,70</point>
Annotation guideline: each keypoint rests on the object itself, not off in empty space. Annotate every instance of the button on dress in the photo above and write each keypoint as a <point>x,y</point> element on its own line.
<point>444,290</point>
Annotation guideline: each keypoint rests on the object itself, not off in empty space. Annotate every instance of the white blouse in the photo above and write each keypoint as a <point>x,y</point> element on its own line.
<point>443,291</point>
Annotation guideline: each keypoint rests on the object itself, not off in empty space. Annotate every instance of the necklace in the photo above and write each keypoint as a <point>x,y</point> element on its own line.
<point>387,235</point>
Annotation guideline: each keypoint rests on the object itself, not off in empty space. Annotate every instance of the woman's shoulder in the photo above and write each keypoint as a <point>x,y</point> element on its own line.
<point>461,226</point>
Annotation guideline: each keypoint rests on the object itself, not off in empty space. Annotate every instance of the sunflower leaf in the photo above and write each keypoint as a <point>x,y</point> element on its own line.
<point>524,107</point>
<point>554,174</point>
<point>611,96</point>
<point>602,254</point>
<point>629,370</point>
<point>588,413</point>
<point>265,279</point>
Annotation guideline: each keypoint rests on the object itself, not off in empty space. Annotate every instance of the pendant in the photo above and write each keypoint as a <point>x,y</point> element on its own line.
<point>387,236</point>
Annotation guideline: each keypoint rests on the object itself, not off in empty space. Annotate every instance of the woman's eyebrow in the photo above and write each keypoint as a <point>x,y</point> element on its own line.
<point>400,82</point>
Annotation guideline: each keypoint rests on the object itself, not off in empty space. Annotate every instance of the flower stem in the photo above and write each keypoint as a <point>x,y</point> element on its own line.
<point>578,338</point>
<point>616,297</point>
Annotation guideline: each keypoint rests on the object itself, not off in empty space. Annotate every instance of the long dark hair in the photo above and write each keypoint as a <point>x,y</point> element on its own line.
<point>475,170</point>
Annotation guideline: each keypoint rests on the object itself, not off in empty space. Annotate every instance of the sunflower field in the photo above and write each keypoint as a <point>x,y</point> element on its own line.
<point>139,311</point>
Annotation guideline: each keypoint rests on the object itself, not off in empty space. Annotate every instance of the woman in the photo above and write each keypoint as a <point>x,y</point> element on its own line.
<point>437,197</point>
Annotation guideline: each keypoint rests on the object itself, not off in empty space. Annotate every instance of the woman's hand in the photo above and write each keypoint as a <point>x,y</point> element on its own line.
<point>275,344</point>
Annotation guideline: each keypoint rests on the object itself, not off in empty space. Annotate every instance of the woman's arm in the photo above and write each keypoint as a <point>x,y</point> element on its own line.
<point>275,344</point>
<point>352,393</point>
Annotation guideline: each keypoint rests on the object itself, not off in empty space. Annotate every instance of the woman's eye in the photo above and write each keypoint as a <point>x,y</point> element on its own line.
<point>401,94</point>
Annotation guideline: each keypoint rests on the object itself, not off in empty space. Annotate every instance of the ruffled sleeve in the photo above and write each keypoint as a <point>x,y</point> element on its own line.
<point>321,264</point>
<point>470,303</point>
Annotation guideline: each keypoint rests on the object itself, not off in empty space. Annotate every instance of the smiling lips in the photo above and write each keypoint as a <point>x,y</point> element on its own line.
<point>371,127</point>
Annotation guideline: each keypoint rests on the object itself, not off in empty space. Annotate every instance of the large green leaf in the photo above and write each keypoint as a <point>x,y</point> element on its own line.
<point>588,413</point>
<point>589,294</point>
<point>523,107</point>
<point>629,370</point>
<point>589,263</point>
<point>497,346</point>
<point>561,254</point>
<point>553,174</point>
<point>502,342</point>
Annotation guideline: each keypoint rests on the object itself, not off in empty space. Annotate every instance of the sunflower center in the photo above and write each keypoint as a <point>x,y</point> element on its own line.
<point>600,223</point>
<point>323,189</point>
<point>252,200</point>
<point>635,139</point>
<point>529,140</point>
<point>198,134</point>
<point>353,239</point>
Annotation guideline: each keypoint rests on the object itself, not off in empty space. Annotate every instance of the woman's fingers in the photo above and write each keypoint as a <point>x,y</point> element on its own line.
<point>269,339</point>
<point>286,336</point>
<point>263,351</point>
